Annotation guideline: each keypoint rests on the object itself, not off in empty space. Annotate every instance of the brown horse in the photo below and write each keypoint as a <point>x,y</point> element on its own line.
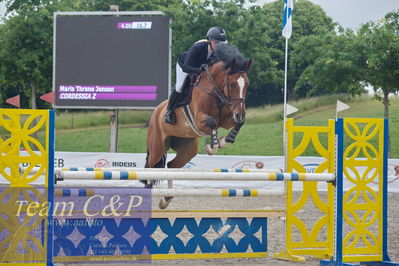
<point>218,101</point>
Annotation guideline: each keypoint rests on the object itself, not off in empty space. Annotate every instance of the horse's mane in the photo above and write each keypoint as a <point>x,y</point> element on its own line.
<point>229,53</point>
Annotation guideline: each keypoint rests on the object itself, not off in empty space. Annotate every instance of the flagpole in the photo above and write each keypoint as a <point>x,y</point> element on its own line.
<point>287,29</point>
<point>285,122</point>
<point>285,104</point>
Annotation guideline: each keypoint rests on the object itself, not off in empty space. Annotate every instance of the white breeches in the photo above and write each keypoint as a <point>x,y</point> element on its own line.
<point>180,78</point>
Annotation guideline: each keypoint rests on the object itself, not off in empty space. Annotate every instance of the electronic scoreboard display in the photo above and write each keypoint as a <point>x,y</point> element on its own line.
<point>111,60</point>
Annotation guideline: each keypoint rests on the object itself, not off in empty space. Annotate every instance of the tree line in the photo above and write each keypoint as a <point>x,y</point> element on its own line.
<point>324,57</point>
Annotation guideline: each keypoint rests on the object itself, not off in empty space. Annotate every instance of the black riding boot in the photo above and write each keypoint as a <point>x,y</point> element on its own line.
<point>170,116</point>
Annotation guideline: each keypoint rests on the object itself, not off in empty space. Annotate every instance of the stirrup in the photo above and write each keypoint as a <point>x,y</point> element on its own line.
<point>170,118</point>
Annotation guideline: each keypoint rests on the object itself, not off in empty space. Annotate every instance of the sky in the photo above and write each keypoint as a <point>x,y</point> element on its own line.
<point>353,13</point>
<point>348,13</point>
<point>2,8</point>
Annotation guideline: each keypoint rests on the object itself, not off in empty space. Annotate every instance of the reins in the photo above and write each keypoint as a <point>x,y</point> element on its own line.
<point>218,94</point>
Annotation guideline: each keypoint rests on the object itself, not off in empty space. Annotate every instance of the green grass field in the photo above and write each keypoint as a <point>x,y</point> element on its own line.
<point>261,135</point>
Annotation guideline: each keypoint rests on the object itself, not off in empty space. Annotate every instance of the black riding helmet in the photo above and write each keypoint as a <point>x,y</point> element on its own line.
<point>217,34</point>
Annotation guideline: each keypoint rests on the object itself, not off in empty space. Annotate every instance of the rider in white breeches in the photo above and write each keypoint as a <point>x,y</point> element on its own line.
<point>193,61</point>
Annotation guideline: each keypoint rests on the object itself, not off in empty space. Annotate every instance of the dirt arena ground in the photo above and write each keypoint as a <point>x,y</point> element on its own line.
<point>275,228</point>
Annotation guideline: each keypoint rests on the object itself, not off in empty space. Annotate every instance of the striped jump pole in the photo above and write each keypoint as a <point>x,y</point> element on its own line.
<point>133,175</point>
<point>84,192</point>
<point>206,170</point>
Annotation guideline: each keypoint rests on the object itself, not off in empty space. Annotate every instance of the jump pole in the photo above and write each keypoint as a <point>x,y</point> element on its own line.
<point>138,169</point>
<point>132,175</point>
<point>64,191</point>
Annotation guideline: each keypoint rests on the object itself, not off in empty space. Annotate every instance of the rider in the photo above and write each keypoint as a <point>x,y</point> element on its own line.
<point>193,61</point>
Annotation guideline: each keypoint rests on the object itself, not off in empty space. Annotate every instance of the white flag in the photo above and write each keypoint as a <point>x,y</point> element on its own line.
<point>291,109</point>
<point>341,106</point>
<point>287,18</point>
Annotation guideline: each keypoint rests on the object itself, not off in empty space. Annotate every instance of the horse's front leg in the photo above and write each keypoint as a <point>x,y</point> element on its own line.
<point>213,147</point>
<point>231,137</point>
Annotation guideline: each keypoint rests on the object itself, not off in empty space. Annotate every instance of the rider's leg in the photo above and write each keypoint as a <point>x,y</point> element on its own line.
<point>169,116</point>
<point>175,95</point>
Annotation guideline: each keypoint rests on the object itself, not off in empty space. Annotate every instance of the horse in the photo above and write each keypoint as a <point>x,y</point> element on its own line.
<point>217,101</point>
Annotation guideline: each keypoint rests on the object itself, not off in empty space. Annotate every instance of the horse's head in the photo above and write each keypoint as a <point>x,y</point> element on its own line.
<point>233,80</point>
<point>235,88</point>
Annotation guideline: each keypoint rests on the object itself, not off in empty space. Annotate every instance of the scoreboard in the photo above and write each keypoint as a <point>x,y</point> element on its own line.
<point>111,60</point>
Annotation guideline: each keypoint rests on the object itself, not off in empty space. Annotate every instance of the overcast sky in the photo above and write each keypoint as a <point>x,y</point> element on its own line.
<point>2,8</point>
<point>353,13</point>
<point>348,13</point>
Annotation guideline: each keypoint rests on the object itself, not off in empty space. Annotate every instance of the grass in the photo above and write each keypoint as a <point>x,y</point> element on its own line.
<point>88,119</point>
<point>261,135</point>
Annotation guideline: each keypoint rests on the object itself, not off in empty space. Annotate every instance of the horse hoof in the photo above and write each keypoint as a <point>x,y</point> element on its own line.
<point>147,184</point>
<point>223,143</point>
<point>164,203</point>
<point>211,151</point>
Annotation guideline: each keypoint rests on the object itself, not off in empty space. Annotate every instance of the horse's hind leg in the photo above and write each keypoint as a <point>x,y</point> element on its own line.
<point>156,155</point>
<point>149,164</point>
<point>160,164</point>
<point>185,149</point>
<point>156,158</point>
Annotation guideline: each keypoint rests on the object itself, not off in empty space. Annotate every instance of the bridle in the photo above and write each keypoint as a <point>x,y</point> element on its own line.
<point>219,94</point>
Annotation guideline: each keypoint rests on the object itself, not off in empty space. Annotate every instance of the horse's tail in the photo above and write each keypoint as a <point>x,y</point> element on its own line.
<point>146,159</point>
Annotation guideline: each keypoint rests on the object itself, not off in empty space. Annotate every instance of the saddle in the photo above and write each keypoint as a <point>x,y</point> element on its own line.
<point>185,100</point>
<point>188,86</point>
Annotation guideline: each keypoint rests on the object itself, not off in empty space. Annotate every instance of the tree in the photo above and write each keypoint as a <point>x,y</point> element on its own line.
<point>27,52</point>
<point>192,19</point>
<point>254,40</point>
<point>26,47</point>
<point>259,37</point>
<point>130,5</point>
<point>15,5</point>
<point>316,50</point>
<point>325,64</point>
<point>380,41</point>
